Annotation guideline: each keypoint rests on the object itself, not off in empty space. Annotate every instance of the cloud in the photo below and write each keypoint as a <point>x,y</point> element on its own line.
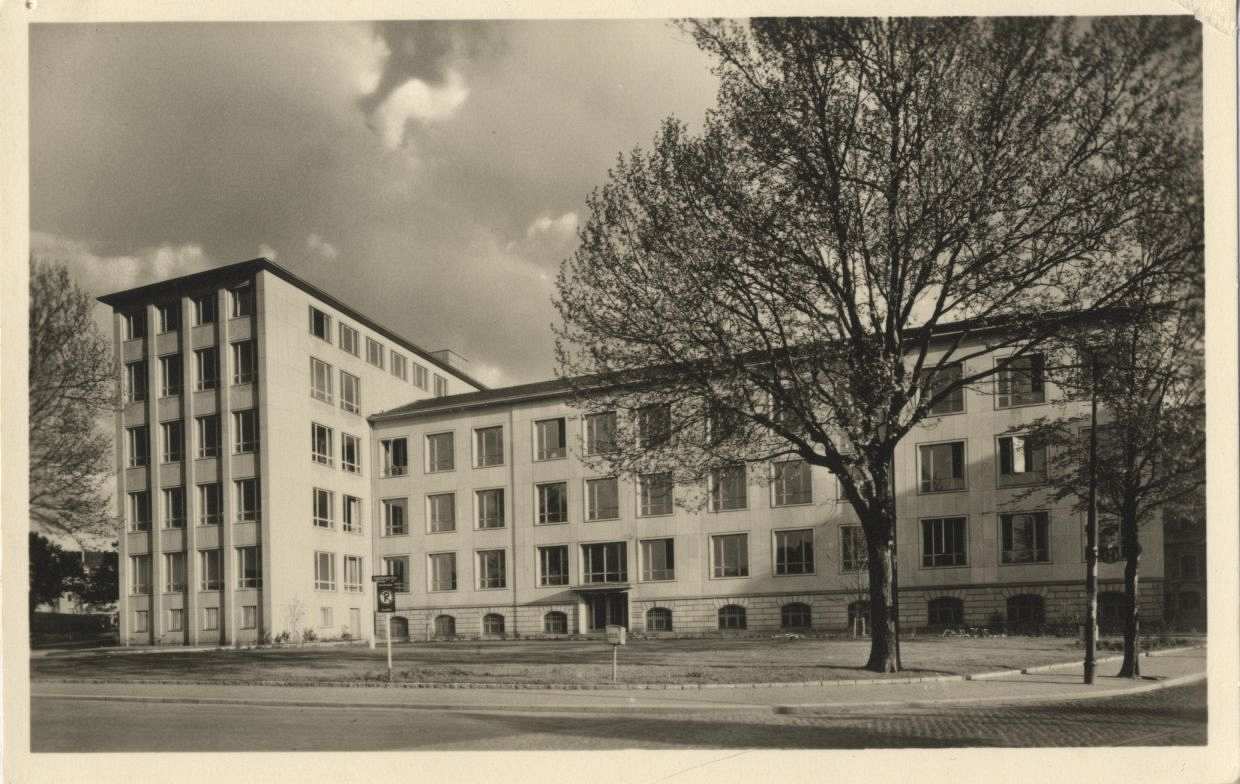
<point>563,226</point>
<point>417,76</point>
<point>267,251</point>
<point>321,246</point>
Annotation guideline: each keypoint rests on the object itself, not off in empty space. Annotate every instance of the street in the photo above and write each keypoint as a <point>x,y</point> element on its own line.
<point>1174,716</point>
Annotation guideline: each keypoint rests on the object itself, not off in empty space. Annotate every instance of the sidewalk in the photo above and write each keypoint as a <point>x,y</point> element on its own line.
<point>1060,684</point>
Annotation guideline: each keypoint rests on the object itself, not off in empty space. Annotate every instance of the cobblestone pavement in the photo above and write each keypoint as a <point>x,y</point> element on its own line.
<point>1175,716</point>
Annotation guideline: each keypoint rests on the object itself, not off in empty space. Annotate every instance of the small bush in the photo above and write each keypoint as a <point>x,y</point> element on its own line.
<point>308,635</point>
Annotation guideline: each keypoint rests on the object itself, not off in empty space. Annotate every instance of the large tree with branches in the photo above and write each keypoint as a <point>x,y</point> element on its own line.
<point>72,385</point>
<point>831,255</point>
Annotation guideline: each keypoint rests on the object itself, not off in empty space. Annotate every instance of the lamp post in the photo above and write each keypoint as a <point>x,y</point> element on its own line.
<point>1091,531</point>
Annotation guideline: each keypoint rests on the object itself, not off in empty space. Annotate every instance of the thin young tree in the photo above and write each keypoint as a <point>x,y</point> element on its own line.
<point>72,387</point>
<point>873,209</point>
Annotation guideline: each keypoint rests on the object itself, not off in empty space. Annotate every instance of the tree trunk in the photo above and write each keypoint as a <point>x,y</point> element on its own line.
<point>882,620</point>
<point>1131,668</point>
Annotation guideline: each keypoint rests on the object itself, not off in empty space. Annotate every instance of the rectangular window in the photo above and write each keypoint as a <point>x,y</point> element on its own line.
<point>936,382</point>
<point>324,571</point>
<point>321,438</point>
<point>208,435</point>
<point>174,572</point>
<point>205,308</point>
<point>169,316</point>
<point>654,494</point>
<point>249,616</point>
<point>791,483</point>
<point>730,555</point>
<point>420,376</point>
<point>400,366</point>
<point>170,375</point>
<point>1022,382</point>
<point>206,368</point>
<point>728,489</point>
<point>245,363</point>
<point>249,570</point>
<point>439,452</point>
<point>348,339</point>
<point>489,446</point>
<point>140,511</point>
<point>242,301</point>
<point>140,574</point>
<point>603,498</point>
<point>601,433</point>
<point>351,515</point>
<point>1025,538</point>
<point>395,456</point>
<point>491,571</point>
<point>441,386</point>
<point>398,567</point>
<point>210,619</point>
<point>553,565</point>
<point>211,570</point>
<point>350,392</point>
<point>141,620</point>
<point>943,541</point>
<point>350,453</point>
<point>395,517</point>
<point>320,324</point>
<point>176,620</point>
<point>135,381</point>
<point>320,380</point>
<point>374,352</point>
<point>549,439</point>
<point>443,571</point>
<point>245,431</point>
<point>552,503</point>
<point>658,560</point>
<point>174,507</point>
<point>138,453</point>
<point>353,574</point>
<point>210,504</point>
<point>1021,461</point>
<point>794,552</point>
<point>654,426</point>
<point>135,325</point>
<point>942,467</point>
<point>441,512</point>
<point>852,548</point>
<point>173,441</point>
<point>323,502</point>
<point>490,508</point>
<point>247,500</point>
<point>604,563</point>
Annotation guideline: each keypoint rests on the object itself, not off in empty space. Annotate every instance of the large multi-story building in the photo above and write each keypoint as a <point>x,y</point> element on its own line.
<point>240,527</point>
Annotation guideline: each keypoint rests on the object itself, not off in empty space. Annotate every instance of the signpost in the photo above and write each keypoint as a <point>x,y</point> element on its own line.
<point>617,636</point>
<point>385,603</point>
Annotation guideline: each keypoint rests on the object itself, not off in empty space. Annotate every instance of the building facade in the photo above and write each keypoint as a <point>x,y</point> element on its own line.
<point>242,528</point>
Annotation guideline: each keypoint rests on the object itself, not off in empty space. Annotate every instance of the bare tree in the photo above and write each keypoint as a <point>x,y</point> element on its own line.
<point>874,208</point>
<point>72,386</point>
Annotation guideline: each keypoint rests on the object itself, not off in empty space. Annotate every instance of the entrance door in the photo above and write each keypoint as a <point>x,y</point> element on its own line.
<point>608,609</point>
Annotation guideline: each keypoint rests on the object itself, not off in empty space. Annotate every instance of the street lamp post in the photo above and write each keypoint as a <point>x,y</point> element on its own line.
<point>1091,532</point>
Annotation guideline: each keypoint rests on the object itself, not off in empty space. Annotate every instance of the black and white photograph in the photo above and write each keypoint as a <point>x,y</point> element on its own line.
<point>680,393</point>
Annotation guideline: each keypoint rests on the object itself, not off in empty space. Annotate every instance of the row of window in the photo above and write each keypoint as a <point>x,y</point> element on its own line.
<point>210,619</point>
<point>206,371</point>
<point>172,438</point>
<point>168,314</point>
<point>322,449</point>
<point>376,353</point>
<point>325,572</point>
<point>323,515</point>
<point>210,505</point>
<point>210,571</point>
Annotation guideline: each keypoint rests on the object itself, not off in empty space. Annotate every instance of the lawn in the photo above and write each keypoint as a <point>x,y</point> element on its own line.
<point>563,662</point>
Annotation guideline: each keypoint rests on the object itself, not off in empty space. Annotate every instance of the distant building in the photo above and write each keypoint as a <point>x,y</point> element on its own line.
<point>278,447</point>
<point>1184,532</point>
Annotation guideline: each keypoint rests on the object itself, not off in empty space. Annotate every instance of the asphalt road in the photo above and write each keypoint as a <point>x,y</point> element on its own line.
<point>1174,716</point>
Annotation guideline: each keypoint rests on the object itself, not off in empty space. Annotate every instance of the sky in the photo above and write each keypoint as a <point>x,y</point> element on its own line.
<point>430,174</point>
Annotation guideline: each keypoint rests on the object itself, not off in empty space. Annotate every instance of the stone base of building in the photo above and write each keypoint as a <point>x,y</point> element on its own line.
<point>1037,608</point>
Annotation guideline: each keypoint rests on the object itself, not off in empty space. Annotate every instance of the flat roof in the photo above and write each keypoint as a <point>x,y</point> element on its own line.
<point>244,269</point>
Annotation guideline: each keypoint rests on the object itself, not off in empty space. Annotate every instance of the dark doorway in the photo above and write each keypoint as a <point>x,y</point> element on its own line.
<point>608,609</point>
